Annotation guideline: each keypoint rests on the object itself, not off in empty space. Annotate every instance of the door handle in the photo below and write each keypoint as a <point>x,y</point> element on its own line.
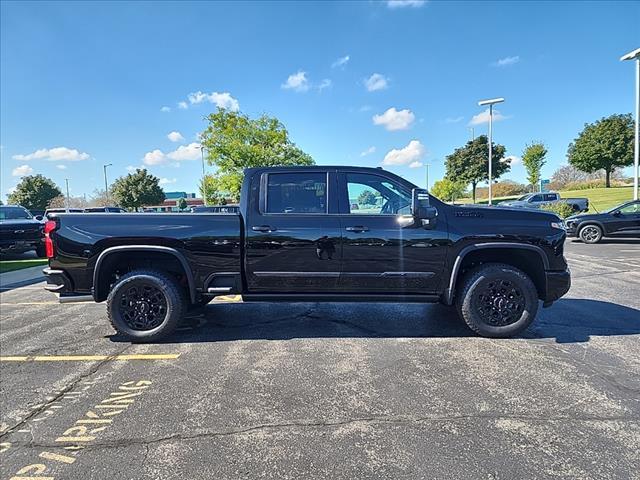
<point>357,229</point>
<point>263,228</point>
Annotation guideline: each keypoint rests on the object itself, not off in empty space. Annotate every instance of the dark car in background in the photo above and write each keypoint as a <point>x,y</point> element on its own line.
<point>620,221</point>
<point>104,210</point>
<point>19,231</point>
<point>216,209</point>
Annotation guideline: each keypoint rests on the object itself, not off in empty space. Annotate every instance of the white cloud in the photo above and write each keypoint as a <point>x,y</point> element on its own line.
<point>165,109</point>
<point>167,181</point>
<point>409,155</point>
<point>54,154</point>
<point>183,105</point>
<point>368,151</point>
<point>506,61</point>
<point>182,153</point>
<point>131,168</point>
<point>405,3</point>
<point>297,82</point>
<point>175,136</point>
<point>341,62</point>
<point>416,164</point>
<point>221,100</point>
<point>326,83</point>
<point>61,167</point>
<point>22,170</point>
<point>514,160</point>
<point>375,82</point>
<point>394,119</point>
<point>483,117</point>
<point>453,119</point>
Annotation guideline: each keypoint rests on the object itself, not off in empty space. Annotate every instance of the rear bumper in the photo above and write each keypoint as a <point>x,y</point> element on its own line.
<point>558,284</point>
<point>57,281</point>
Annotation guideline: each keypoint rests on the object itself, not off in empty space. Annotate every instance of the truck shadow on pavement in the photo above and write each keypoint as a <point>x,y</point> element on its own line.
<point>567,321</point>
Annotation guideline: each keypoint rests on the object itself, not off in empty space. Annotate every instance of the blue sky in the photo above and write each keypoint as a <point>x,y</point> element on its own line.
<point>355,83</point>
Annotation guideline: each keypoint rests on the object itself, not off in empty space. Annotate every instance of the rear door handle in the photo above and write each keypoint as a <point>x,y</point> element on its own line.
<point>263,228</point>
<point>357,229</point>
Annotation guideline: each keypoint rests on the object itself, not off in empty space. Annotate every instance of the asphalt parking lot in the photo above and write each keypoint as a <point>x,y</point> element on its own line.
<point>329,390</point>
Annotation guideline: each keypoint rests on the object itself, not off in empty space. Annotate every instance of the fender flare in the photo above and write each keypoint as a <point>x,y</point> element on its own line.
<point>450,290</point>
<point>144,248</point>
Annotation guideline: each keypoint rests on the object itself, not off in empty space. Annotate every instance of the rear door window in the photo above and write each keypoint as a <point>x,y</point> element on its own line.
<point>304,192</point>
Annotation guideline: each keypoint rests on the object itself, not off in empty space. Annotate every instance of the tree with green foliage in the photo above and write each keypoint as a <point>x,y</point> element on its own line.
<point>137,189</point>
<point>448,190</point>
<point>233,142</point>
<point>181,203</point>
<point>367,197</point>
<point>533,159</point>
<point>470,164</point>
<point>34,192</point>
<point>604,145</point>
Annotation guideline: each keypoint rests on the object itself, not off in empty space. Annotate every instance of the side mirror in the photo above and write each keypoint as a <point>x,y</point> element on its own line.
<point>421,208</point>
<point>617,213</point>
<point>39,218</point>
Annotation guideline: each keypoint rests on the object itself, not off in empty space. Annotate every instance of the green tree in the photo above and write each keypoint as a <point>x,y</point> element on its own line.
<point>470,164</point>
<point>448,190</point>
<point>367,197</point>
<point>137,189</point>
<point>34,192</point>
<point>233,142</point>
<point>218,187</point>
<point>181,203</point>
<point>603,145</point>
<point>533,159</point>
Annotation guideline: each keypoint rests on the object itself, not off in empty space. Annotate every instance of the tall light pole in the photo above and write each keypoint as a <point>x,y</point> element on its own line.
<point>427,165</point>
<point>66,180</point>
<point>635,55</point>
<point>106,185</point>
<point>473,133</point>
<point>491,102</point>
<point>204,183</point>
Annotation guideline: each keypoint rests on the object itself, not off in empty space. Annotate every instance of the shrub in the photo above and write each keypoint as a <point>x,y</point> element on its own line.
<point>562,209</point>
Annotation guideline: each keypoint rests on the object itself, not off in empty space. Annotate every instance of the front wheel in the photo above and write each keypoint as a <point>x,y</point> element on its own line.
<point>145,305</point>
<point>590,234</point>
<point>497,300</point>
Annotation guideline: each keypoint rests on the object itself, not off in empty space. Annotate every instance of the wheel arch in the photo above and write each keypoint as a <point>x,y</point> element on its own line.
<point>531,259</point>
<point>107,256</point>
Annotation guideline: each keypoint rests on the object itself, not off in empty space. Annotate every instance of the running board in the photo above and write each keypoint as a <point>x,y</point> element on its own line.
<point>75,298</point>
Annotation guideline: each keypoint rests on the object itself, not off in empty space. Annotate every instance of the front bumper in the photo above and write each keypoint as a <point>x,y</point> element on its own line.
<point>57,281</point>
<point>558,283</point>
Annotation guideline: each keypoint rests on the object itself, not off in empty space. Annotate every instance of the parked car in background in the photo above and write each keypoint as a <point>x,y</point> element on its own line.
<point>620,221</point>
<point>297,238</point>
<point>216,209</point>
<point>49,211</point>
<point>537,200</point>
<point>19,231</point>
<point>104,210</point>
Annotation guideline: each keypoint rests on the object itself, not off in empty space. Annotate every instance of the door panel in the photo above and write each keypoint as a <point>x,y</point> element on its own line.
<point>627,222</point>
<point>293,243</point>
<point>382,249</point>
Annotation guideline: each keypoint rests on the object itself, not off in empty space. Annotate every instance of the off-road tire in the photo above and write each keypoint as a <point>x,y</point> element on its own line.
<point>590,233</point>
<point>174,304</point>
<point>515,294</point>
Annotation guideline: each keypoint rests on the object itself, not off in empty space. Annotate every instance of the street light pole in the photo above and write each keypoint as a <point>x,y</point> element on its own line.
<point>428,165</point>
<point>491,103</point>
<point>204,183</point>
<point>66,180</point>
<point>635,55</point>
<point>106,185</point>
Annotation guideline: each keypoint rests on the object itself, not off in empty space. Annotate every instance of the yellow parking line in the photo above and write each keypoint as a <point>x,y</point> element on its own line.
<point>88,358</point>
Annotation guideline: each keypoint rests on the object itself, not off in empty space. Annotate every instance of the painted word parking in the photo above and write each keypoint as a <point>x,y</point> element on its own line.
<point>85,430</point>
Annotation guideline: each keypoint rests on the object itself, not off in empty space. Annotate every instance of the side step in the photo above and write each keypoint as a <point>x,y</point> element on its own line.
<point>72,298</point>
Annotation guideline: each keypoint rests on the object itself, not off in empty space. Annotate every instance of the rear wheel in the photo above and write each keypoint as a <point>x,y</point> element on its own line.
<point>590,234</point>
<point>145,305</point>
<point>497,300</point>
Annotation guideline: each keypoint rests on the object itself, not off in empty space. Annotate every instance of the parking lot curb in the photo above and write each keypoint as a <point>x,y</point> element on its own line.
<point>20,278</point>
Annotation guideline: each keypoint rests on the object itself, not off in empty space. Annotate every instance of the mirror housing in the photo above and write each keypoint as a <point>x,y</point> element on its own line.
<point>617,213</point>
<point>39,217</point>
<point>421,208</point>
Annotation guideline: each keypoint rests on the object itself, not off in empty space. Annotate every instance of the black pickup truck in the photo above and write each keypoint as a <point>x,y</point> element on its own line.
<point>19,231</point>
<point>314,234</point>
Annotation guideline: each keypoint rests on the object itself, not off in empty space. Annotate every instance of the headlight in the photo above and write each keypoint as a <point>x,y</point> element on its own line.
<point>560,225</point>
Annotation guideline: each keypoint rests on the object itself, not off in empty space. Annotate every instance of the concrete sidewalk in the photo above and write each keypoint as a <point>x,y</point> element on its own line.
<point>18,278</point>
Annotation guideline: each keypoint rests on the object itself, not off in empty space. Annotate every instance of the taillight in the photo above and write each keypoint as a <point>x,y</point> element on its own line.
<point>49,226</point>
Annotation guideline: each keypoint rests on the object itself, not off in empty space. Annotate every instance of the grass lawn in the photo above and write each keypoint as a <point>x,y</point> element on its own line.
<point>599,198</point>
<point>11,265</point>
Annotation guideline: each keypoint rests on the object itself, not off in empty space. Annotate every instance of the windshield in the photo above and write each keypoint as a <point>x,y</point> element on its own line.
<point>14,213</point>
